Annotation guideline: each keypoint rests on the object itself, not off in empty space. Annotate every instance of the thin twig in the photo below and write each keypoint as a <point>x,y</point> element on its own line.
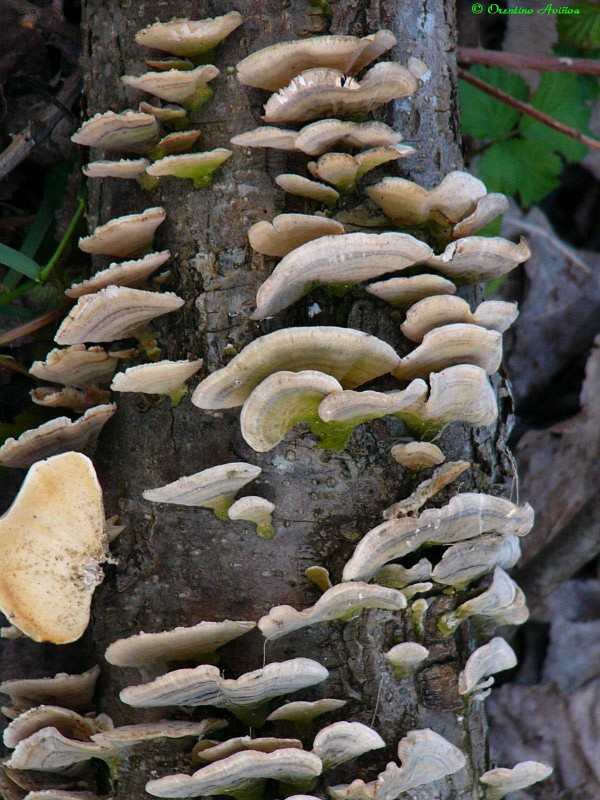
<point>499,58</point>
<point>537,230</point>
<point>525,108</point>
<point>12,335</point>
<point>45,18</point>
<point>25,141</point>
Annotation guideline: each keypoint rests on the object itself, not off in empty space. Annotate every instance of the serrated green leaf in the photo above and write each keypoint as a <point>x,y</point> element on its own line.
<point>18,261</point>
<point>583,29</point>
<point>482,116</point>
<point>565,97</point>
<point>520,167</point>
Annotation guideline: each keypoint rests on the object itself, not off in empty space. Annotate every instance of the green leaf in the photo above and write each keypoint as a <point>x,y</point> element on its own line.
<point>18,261</point>
<point>18,313</point>
<point>565,97</point>
<point>482,116</point>
<point>582,30</point>
<point>520,167</point>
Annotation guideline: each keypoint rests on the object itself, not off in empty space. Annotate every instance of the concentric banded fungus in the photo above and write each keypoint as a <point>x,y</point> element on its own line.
<point>59,794</point>
<point>323,92</point>
<point>178,142</point>
<point>407,204</point>
<point>441,477</point>
<point>343,601</point>
<point>241,774</point>
<point>406,657</point>
<point>417,455</point>
<point>274,66</point>
<point>503,602</point>
<point>51,547</point>
<point>350,356</point>
<point>197,167</point>
<point>129,131</point>
<point>477,259</point>
<point>241,744</point>
<point>130,235</point>
<point>180,644</point>
<point>69,691</point>
<point>56,436</point>
<point>50,751</point>
<point>116,312</point>
<point>397,577</point>
<point>257,510</point>
<point>502,781</point>
<point>495,656</point>
<point>188,88</point>
<point>116,169</point>
<point>426,757</point>
<point>451,345</point>
<point>403,292</point>
<point>171,115</point>
<point>289,231</point>
<point>435,312</point>
<point>77,400</point>
<point>76,366</point>
<point>344,741</point>
<point>466,516</point>
<point>344,171</point>
<point>213,488</point>
<point>488,209</point>
<point>160,377</point>
<point>280,402</point>
<point>204,686</point>
<point>345,260</point>
<point>189,38</point>
<point>130,735</point>
<point>127,273</point>
<point>303,187</point>
<point>466,561</point>
<point>66,721</point>
<point>303,712</point>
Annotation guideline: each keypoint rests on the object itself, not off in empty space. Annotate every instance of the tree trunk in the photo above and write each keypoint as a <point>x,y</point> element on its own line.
<point>178,565</point>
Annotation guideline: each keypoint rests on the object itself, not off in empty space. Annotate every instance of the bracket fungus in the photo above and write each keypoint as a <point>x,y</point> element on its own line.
<point>241,744</point>
<point>130,735</point>
<point>243,696</point>
<point>289,231</point>
<point>241,775</point>
<point>406,657</point>
<point>159,377</point>
<point>197,167</point>
<point>417,455</point>
<point>304,187</point>
<point>57,436</point>
<point>398,577</point>
<point>441,477</point>
<point>124,169</point>
<point>66,721</point>
<point>69,691</point>
<point>130,235</point>
<point>502,602</point>
<point>274,66</point>
<point>441,310</point>
<point>116,312</point>
<point>495,656</point>
<point>336,260</point>
<point>129,131</point>
<point>466,561</point>
<point>76,366</point>
<point>180,644</point>
<point>49,751</point>
<point>350,356</point>
<point>126,273</point>
<point>189,38</point>
<point>171,115</point>
<point>51,547</point>
<point>477,258</point>
<point>344,171</point>
<point>281,401</point>
<point>344,741</point>
<point>450,345</point>
<point>404,292</point>
<point>174,143</point>
<point>214,488</point>
<point>324,92</point>
<point>467,515</point>
<point>303,712</point>
<point>502,781</point>
<point>77,400</point>
<point>344,601</point>
<point>426,757</point>
<point>257,510</point>
<point>188,88</point>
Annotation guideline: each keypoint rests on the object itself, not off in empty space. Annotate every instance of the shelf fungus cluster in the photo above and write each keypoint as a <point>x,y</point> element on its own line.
<point>411,258</point>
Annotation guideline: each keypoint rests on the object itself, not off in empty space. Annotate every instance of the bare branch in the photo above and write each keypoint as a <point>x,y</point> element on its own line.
<point>499,58</point>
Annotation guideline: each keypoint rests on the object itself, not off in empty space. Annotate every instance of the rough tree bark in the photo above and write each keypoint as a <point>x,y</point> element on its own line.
<point>176,565</point>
